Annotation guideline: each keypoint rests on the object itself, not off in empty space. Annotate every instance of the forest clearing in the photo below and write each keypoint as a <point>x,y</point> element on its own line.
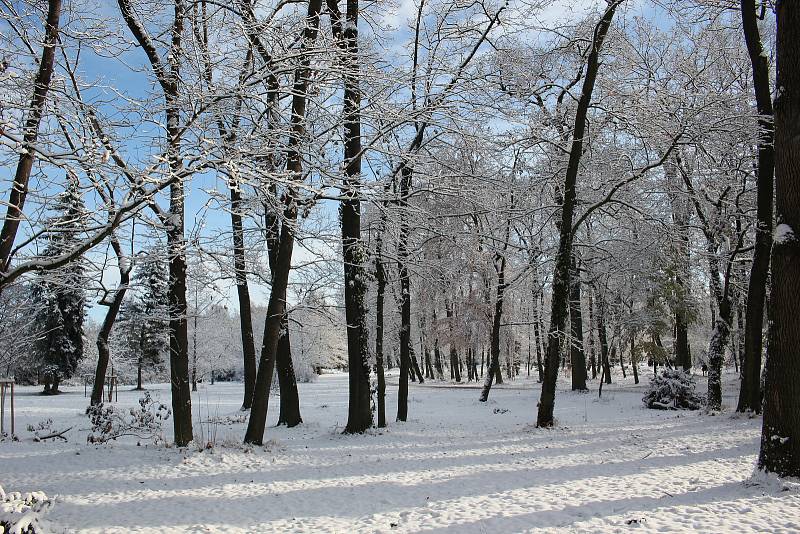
<point>399,265</point>
<point>610,465</point>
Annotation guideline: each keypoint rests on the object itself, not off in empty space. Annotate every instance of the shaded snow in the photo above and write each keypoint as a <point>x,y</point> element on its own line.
<point>457,466</point>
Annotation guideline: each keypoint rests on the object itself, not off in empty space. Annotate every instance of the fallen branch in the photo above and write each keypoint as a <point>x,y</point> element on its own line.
<point>53,435</point>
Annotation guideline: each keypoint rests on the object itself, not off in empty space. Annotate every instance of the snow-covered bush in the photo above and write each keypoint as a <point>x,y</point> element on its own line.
<point>21,513</point>
<point>673,389</point>
<point>110,422</point>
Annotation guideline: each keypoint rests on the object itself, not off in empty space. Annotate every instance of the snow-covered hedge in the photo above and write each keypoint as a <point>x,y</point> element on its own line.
<point>22,513</point>
<point>673,389</point>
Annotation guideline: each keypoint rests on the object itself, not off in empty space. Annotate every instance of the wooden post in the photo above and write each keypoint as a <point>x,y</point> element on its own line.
<point>6,387</point>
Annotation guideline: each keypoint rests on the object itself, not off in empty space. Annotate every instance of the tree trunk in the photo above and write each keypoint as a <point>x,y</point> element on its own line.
<point>228,137</point>
<point>169,80</point>
<point>275,315</point>
<point>428,365</point>
<point>539,343</point>
<point>577,355</point>
<point>560,296</point>
<point>359,415</point>
<point>780,437</point>
<point>618,345</point>
<point>437,354</point>
<point>276,308</point>
<point>680,218</point>
<point>750,392</point>
<point>415,370</point>
<point>592,350</point>
<point>380,276</point>
<point>194,342</point>
<point>494,357</point>
<point>716,354</point>
<point>289,410</point>
<point>103,353</point>
<point>500,269</point>
<point>289,413</point>
<point>139,386</point>
<point>243,295</point>
<point>602,336</point>
<point>634,360</point>
<point>455,363</point>
<point>19,190</point>
<point>405,296</point>
<point>470,358</point>
<point>140,361</point>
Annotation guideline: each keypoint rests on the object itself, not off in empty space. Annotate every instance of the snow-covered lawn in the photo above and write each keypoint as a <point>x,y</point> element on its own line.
<point>457,466</point>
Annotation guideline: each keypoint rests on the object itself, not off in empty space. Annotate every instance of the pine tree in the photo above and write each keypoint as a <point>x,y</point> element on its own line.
<point>144,317</point>
<point>60,295</point>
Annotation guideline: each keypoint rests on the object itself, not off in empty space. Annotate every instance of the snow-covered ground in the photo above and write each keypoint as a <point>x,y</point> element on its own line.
<point>458,465</point>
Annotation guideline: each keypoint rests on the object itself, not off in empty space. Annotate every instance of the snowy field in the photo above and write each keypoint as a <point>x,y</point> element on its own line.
<point>457,466</point>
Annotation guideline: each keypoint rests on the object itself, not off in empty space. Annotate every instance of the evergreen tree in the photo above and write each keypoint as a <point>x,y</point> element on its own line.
<point>59,294</point>
<point>144,317</point>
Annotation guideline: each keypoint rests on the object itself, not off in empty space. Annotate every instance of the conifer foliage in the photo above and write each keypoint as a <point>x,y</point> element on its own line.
<point>59,296</point>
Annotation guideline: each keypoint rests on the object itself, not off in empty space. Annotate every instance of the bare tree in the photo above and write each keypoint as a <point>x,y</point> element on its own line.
<point>558,313</point>
<point>168,77</point>
<point>750,392</point>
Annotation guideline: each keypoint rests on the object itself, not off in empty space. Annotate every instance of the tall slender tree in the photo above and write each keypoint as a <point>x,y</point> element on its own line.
<point>168,77</point>
<point>750,391</point>
<point>276,308</point>
<point>359,415</point>
<point>560,297</point>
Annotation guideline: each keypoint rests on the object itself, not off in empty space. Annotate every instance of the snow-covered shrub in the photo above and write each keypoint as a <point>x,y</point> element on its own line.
<point>21,513</point>
<point>673,389</point>
<point>304,372</point>
<point>110,422</point>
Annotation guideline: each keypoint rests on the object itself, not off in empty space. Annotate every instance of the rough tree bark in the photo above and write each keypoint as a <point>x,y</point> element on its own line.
<point>289,411</point>
<point>455,367</point>
<point>577,354</point>
<point>276,309</point>
<point>721,287</point>
<point>780,435</point>
<point>227,137</point>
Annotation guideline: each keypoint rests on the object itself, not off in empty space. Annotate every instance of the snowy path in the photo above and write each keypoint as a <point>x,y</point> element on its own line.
<point>457,466</point>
